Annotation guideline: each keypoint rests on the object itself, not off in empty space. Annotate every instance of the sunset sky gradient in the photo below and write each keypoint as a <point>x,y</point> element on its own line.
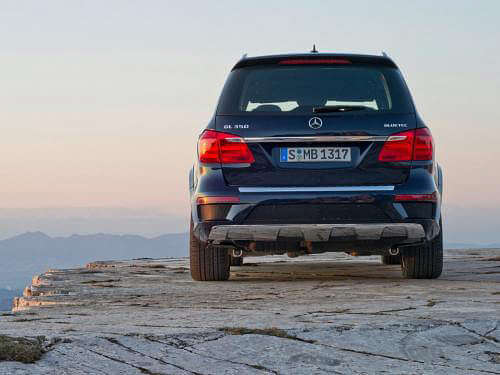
<point>101,102</point>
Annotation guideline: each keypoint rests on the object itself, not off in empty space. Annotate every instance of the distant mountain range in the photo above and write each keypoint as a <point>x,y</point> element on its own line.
<point>31,253</point>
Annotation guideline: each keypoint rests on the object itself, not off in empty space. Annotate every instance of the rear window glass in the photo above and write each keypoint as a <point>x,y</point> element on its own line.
<point>300,89</point>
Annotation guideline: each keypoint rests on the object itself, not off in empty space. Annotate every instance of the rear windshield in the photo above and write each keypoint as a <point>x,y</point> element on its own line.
<point>299,89</point>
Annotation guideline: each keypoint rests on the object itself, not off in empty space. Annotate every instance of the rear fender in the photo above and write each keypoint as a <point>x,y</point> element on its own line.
<point>191,181</point>
<point>440,180</point>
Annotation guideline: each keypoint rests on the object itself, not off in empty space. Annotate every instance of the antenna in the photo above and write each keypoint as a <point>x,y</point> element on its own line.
<point>384,54</point>
<point>314,50</point>
<point>244,56</point>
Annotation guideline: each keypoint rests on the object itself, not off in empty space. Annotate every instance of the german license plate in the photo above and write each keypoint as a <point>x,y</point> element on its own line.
<point>315,154</point>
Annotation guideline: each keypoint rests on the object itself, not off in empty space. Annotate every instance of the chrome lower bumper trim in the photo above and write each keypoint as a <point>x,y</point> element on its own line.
<point>313,189</point>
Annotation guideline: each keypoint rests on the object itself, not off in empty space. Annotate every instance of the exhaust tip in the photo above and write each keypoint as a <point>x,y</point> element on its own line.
<point>394,251</point>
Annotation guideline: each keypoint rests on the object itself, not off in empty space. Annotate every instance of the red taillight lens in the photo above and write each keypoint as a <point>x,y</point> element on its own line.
<point>398,147</point>
<point>224,148</point>
<point>416,197</point>
<point>409,145</point>
<point>234,150</point>
<point>208,147</point>
<point>424,145</point>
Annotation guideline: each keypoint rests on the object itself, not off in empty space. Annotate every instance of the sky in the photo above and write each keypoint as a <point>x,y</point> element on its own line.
<point>101,102</point>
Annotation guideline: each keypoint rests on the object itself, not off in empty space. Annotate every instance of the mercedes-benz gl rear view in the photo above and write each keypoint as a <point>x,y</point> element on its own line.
<point>312,153</point>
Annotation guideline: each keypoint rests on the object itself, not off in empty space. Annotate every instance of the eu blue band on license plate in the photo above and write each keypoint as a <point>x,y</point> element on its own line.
<point>283,154</point>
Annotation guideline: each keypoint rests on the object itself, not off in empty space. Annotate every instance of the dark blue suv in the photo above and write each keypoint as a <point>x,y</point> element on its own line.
<point>309,153</point>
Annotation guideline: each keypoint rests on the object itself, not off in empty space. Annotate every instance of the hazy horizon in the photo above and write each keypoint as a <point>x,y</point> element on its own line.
<point>152,222</point>
<point>101,103</point>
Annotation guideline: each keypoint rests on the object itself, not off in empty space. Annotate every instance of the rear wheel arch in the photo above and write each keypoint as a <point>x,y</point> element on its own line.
<point>440,179</point>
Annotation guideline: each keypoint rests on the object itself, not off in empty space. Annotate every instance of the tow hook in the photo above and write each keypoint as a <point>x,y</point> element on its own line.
<point>237,253</point>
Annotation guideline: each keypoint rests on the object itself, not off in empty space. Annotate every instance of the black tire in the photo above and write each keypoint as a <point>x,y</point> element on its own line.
<point>424,262</point>
<point>391,259</point>
<point>237,261</point>
<point>207,262</point>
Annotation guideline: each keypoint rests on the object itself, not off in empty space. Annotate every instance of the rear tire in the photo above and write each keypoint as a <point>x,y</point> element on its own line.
<point>391,259</point>
<point>236,261</point>
<point>425,261</point>
<point>207,262</point>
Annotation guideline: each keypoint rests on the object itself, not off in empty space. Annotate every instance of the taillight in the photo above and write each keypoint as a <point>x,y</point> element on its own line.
<point>398,147</point>
<point>224,148</point>
<point>424,145</point>
<point>409,145</point>
<point>208,147</point>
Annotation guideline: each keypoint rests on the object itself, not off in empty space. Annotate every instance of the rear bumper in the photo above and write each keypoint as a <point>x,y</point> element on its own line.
<point>398,232</point>
<point>269,213</point>
<point>362,239</point>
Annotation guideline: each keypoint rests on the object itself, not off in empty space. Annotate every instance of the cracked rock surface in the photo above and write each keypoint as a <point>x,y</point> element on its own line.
<point>320,314</point>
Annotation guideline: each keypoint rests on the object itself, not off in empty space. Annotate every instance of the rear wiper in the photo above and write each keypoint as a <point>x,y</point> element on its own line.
<point>340,108</point>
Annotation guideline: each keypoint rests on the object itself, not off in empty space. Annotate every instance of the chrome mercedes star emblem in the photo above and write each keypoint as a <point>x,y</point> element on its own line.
<point>315,123</point>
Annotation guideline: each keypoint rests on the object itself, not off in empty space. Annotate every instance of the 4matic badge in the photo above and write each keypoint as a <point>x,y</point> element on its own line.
<point>396,125</point>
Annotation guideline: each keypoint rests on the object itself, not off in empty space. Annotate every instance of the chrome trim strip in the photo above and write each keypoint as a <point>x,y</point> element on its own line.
<point>396,138</point>
<point>314,189</point>
<point>343,138</point>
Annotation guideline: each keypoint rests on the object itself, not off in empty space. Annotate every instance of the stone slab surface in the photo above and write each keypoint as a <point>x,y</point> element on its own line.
<point>318,314</point>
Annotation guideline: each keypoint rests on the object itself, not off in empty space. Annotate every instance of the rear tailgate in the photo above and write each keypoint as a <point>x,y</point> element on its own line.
<point>359,137</point>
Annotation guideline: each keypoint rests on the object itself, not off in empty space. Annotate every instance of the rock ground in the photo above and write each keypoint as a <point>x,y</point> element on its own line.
<point>320,314</point>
